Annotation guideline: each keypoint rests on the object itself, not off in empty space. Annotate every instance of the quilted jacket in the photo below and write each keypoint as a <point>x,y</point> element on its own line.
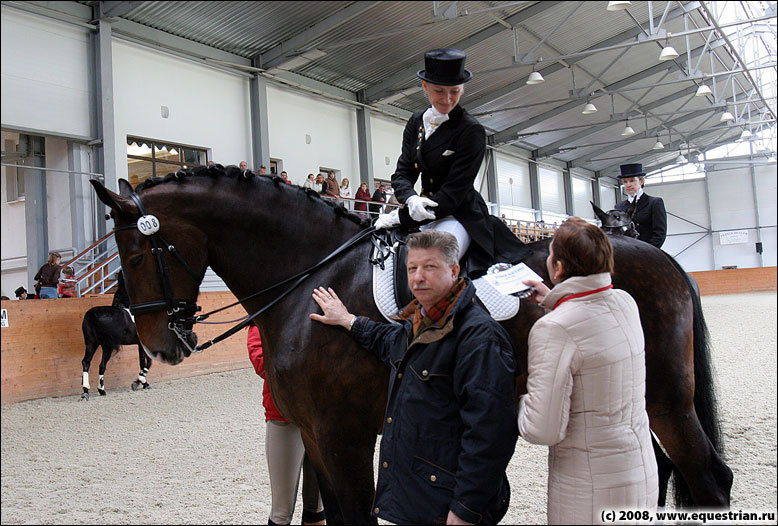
<point>586,400</point>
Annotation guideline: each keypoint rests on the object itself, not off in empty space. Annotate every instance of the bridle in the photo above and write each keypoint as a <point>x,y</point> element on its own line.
<point>622,225</point>
<point>181,313</point>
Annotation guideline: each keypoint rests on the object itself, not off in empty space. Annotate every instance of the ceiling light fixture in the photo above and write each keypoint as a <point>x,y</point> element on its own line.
<point>658,145</point>
<point>535,77</point>
<point>703,90</point>
<point>627,129</point>
<point>681,159</point>
<point>618,6</point>
<point>668,52</point>
<point>746,134</point>
<point>589,109</point>
<point>727,117</point>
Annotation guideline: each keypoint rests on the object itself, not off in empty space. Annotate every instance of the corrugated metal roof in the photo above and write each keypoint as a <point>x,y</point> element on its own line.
<point>377,40</point>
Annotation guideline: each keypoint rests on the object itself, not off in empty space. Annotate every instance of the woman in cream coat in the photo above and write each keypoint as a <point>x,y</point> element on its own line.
<point>586,385</point>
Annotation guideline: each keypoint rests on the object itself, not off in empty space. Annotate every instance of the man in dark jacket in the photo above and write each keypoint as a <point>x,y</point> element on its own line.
<point>450,426</point>
<point>445,146</point>
<point>379,196</point>
<point>647,212</point>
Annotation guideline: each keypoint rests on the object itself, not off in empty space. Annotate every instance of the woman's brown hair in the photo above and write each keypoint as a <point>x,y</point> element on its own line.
<point>582,248</point>
<point>53,258</point>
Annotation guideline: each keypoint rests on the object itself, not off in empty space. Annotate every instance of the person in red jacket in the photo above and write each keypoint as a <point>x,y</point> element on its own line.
<point>285,454</point>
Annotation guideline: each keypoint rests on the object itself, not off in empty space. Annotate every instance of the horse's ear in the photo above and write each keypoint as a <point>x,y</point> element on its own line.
<point>602,216</point>
<point>114,201</point>
<point>125,188</point>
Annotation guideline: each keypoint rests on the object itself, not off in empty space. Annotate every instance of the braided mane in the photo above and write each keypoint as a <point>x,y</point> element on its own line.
<point>233,172</point>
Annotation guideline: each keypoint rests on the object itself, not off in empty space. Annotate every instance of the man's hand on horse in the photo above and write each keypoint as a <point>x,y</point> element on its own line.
<point>335,313</point>
<point>417,208</point>
<point>387,221</point>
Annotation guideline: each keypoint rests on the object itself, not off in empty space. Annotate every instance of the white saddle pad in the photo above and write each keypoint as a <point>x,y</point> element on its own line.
<point>500,306</point>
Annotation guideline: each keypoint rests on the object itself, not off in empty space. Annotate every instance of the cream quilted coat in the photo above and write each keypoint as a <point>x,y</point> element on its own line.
<point>586,400</point>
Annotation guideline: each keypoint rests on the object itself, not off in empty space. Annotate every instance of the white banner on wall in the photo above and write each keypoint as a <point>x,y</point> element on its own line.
<point>733,237</point>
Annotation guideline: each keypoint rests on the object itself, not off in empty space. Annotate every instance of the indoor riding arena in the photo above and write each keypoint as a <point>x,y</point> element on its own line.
<point>578,101</point>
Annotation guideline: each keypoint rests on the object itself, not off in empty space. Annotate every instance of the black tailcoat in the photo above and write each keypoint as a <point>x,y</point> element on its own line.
<point>448,163</point>
<point>650,218</point>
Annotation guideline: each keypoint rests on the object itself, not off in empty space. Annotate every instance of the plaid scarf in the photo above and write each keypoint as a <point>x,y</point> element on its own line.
<point>436,314</point>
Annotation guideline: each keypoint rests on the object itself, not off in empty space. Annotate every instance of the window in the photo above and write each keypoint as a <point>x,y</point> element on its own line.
<point>582,195</point>
<point>21,150</point>
<point>513,183</point>
<point>150,158</point>
<point>552,192</point>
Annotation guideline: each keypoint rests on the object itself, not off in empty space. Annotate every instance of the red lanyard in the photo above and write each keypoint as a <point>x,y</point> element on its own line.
<point>581,295</point>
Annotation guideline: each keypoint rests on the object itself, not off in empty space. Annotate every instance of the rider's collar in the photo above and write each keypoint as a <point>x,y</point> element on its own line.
<point>632,198</point>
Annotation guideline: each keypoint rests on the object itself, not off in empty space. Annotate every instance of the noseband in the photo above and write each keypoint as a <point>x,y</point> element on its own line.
<point>180,313</point>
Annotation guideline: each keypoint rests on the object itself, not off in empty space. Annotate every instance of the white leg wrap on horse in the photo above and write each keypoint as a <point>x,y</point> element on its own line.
<point>452,226</point>
<point>102,382</point>
<point>141,379</point>
<point>85,380</point>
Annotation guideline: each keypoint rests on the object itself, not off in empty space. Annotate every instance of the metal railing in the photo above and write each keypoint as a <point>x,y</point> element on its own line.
<point>96,266</point>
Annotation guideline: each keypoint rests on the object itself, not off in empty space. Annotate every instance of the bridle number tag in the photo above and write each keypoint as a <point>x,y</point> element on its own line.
<point>148,225</point>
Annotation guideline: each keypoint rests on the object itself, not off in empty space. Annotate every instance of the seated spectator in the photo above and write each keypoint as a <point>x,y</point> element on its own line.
<point>310,182</point>
<point>379,196</point>
<point>321,184</point>
<point>263,170</point>
<point>21,294</point>
<point>345,191</point>
<point>362,195</point>
<point>285,177</point>
<point>243,165</point>
<point>67,283</point>
<point>333,188</point>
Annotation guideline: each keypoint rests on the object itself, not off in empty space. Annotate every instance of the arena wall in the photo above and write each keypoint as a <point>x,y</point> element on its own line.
<point>42,346</point>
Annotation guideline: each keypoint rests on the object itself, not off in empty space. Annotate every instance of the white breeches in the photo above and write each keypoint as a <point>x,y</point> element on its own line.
<point>452,226</point>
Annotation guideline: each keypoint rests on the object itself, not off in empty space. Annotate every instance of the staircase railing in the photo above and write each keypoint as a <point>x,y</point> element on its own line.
<point>95,266</point>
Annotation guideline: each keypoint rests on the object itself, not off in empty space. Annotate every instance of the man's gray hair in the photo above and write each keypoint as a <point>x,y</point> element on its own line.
<point>443,241</point>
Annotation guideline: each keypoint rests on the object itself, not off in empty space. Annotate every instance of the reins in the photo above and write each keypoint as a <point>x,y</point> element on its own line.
<point>181,326</point>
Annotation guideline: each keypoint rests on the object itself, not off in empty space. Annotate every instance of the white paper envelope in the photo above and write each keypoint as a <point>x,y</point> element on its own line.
<point>448,152</point>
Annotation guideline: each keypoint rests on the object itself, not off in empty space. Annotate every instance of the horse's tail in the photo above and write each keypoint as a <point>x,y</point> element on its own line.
<point>705,401</point>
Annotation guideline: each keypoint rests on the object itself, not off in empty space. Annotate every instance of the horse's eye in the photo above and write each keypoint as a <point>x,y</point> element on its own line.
<point>136,261</point>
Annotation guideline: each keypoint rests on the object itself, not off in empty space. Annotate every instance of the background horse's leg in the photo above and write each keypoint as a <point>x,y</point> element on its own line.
<point>91,347</point>
<point>107,352</point>
<point>145,365</point>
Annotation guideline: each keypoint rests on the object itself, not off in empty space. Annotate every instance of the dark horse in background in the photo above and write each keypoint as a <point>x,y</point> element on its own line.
<point>109,327</point>
<point>255,232</point>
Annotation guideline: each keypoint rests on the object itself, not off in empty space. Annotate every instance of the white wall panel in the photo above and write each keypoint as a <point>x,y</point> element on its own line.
<point>44,75</point>
<point>208,108</point>
<point>607,197</point>
<point>732,199</point>
<point>767,189</point>
<point>688,201</point>
<point>582,195</point>
<point>552,190</point>
<point>333,129</point>
<point>513,182</point>
<point>387,137</point>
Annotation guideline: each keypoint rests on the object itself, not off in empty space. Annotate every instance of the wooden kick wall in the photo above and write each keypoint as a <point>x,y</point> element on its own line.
<point>43,346</point>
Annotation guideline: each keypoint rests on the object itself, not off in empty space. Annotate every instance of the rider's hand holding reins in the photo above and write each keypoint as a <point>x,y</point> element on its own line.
<point>387,221</point>
<point>335,313</point>
<point>417,208</point>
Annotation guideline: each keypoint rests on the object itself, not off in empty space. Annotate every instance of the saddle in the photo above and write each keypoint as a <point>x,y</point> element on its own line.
<point>391,291</point>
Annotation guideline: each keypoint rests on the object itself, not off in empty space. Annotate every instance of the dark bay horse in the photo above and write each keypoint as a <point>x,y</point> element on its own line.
<point>255,232</point>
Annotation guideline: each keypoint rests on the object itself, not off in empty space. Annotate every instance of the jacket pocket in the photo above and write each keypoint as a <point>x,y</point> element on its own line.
<point>432,474</point>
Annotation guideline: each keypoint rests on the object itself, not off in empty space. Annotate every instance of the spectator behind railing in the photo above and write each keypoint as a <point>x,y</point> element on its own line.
<point>345,191</point>
<point>363,195</point>
<point>310,182</point>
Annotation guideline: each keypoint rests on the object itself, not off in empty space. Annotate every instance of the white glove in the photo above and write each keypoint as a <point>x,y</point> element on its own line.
<point>417,207</point>
<point>387,221</point>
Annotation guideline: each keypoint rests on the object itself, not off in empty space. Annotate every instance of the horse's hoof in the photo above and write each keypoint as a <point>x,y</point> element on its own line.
<point>102,392</point>
<point>147,386</point>
<point>136,385</point>
<point>84,397</point>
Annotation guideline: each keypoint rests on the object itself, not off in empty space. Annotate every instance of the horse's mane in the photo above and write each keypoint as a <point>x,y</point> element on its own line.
<point>217,170</point>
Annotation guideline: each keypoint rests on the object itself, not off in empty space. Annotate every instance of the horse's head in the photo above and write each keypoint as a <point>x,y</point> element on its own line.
<point>615,222</point>
<point>164,259</point>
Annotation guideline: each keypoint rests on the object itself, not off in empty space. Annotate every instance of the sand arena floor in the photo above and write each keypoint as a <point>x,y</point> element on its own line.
<point>191,451</point>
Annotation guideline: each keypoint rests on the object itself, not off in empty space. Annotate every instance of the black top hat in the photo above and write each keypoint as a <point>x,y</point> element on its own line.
<point>631,170</point>
<point>445,67</point>
<point>20,291</point>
